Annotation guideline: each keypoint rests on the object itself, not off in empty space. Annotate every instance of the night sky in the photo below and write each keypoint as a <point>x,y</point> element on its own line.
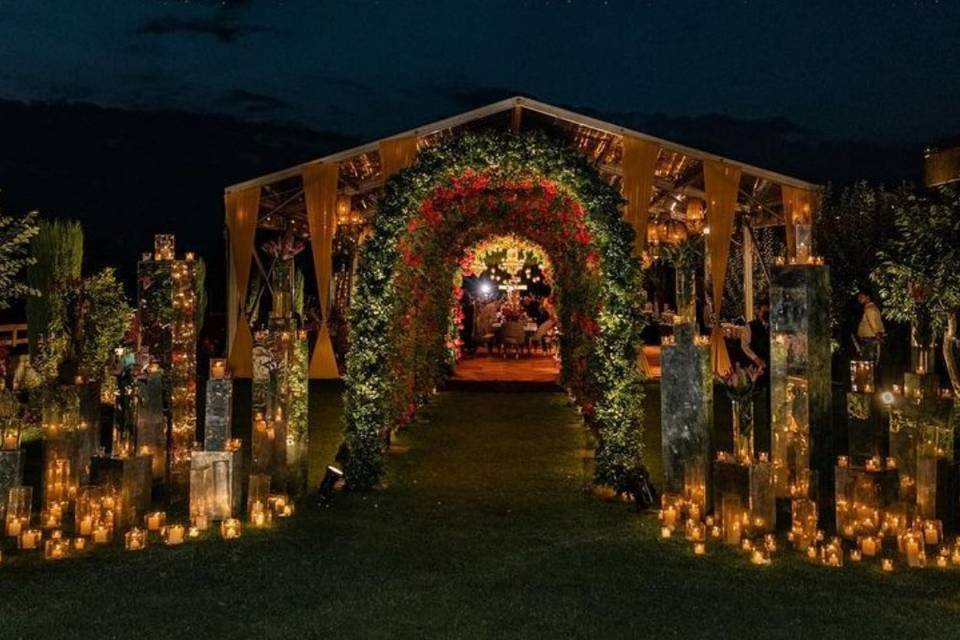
<point>880,69</point>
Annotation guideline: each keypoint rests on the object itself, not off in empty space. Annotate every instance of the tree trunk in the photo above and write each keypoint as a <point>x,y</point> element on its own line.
<point>949,352</point>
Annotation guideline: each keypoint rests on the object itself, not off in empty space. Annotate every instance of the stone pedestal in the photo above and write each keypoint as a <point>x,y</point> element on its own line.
<point>216,484</point>
<point>131,478</point>
<point>922,390</point>
<point>217,424</point>
<point>752,483</point>
<point>71,433</point>
<point>686,400</point>
<point>863,496</point>
<point>166,295</point>
<point>867,428</point>
<point>11,475</point>
<point>800,376</point>
<point>151,426</point>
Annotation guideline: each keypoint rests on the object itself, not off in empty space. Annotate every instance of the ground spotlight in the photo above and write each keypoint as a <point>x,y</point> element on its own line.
<point>330,479</point>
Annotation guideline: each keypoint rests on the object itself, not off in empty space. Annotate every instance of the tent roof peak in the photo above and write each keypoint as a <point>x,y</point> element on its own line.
<point>536,106</point>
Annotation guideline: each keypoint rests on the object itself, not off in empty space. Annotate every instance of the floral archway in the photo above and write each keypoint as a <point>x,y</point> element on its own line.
<point>457,194</point>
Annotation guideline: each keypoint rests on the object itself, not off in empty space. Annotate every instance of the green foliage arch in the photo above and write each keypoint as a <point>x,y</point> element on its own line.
<point>457,193</point>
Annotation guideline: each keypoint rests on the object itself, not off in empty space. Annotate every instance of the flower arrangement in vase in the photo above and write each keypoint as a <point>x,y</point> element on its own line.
<point>740,385</point>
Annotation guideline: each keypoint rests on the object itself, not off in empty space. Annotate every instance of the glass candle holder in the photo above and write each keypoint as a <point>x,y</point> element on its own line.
<point>19,507</point>
<point>260,515</point>
<point>164,246</point>
<point>29,539</point>
<point>862,376</point>
<point>102,534</point>
<point>56,549</point>
<point>9,434</point>
<point>230,529</point>
<point>173,535</point>
<point>155,521</point>
<point>135,539</point>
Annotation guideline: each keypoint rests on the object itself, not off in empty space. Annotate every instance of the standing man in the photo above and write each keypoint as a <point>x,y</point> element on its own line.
<point>755,343</point>
<point>755,338</point>
<point>870,331</point>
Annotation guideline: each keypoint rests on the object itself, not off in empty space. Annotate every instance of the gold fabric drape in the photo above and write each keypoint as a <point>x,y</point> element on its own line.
<point>639,165</point>
<point>798,206</point>
<point>722,184</point>
<point>320,197</point>
<point>242,208</point>
<point>397,154</point>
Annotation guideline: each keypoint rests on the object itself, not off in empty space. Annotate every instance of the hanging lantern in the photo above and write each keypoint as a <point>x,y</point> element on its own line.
<point>676,233</point>
<point>695,215</point>
<point>663,230</point>
<point>653,235</point>
<point>344,208</point>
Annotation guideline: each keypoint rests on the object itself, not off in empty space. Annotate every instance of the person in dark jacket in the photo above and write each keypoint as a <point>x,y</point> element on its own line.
<point>755,343</point>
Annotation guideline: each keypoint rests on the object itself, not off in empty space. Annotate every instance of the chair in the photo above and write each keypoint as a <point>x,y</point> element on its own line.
<point>513,336</point>
<point>485,333</point>
<point>540,336</point>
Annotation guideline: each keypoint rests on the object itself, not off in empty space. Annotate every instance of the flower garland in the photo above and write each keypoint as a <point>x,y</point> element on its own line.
<point>456,195</point>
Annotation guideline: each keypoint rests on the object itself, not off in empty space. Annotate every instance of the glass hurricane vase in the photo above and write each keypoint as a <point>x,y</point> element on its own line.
<point>742,428</point>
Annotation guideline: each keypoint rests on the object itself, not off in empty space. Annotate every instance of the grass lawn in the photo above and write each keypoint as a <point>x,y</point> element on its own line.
<point>484,531</point>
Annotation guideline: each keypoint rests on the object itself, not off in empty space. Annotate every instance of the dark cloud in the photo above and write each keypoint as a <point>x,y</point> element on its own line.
<point>252,102</point>
<point>225,26</point>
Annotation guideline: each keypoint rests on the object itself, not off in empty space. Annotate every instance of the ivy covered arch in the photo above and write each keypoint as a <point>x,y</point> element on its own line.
<point>456,194</point>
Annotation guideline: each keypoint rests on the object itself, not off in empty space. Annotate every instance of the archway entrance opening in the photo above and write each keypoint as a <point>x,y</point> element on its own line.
<point>506,317</point>
<point>457,195</point>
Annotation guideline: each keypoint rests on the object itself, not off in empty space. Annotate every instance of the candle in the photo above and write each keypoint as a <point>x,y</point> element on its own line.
<point>856,555</point>
<point>912,549</point>
<point>931,533</point>
<point>30,539</point>
<point>886,564</point>
<point>699,548</point>
<point>193,532</point>
<point>49,519</point>
<point>670,517</point>
<point>230,529</point>
<point>173,534</point>
<point>842,461</point>
<point>155,520</point>
<point>101,534</point>
<point>868,545</point>
<point>942,562</point>
<point>14,526</point>
<point>10,440</point>
<point>665,532</point>
<point>770,542</point>
<point>80,544</point>
<point>758,557</point>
